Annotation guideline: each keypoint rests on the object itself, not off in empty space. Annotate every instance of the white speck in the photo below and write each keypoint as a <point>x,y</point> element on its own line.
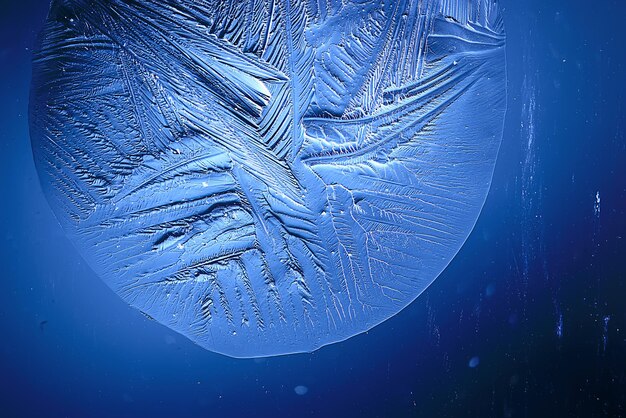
<point>559,326</point>
<point>596,205</point>
<point>205,184</point>
<point>180,246</point>
<point>605,331</point>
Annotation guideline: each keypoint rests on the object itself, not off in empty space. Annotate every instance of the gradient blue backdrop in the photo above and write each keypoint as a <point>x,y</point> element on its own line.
<point>534,301</point>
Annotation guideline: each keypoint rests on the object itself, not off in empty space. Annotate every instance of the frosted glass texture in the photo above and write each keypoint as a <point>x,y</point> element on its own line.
<point>268,177</point>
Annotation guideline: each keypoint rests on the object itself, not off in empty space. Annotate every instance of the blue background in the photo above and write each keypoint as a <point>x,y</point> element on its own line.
<point>535,300</point>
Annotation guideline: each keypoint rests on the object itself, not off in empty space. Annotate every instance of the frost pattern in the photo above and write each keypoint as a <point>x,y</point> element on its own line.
<point>268,176</point>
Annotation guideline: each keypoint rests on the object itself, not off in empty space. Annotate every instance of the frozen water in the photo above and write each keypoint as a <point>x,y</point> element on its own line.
<point>268,177</point>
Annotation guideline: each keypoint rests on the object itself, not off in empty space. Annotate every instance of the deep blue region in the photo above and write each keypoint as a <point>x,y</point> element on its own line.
<point>534,300</point>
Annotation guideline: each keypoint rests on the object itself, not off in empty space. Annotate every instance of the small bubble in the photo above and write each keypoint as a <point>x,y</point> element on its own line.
<point>301,390</point>
<point>474,362</point>
<point>490,290</point>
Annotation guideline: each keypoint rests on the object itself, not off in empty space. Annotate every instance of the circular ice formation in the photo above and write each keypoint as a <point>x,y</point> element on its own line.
<point>268,177</point>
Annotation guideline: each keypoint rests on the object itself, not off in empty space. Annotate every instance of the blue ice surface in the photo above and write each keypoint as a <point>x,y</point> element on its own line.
<point>268,178</point>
